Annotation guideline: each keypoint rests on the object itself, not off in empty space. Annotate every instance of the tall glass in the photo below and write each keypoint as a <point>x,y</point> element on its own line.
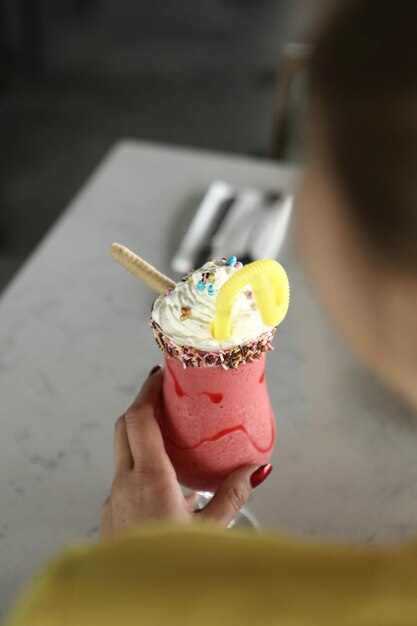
<point>214,420</point>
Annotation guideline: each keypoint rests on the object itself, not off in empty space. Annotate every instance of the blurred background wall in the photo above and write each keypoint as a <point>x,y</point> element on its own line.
<point>77,75</point>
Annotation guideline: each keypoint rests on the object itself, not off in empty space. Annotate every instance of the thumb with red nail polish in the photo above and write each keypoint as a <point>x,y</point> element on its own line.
<point>233,493</point>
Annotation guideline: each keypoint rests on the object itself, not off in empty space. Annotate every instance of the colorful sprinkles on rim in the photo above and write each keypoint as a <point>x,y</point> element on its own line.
<point>227,358</point>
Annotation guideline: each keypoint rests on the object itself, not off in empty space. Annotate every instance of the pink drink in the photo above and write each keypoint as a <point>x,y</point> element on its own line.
<point>214,420</point>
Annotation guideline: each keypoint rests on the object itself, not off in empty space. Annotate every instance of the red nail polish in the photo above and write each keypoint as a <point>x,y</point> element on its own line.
<point>260,474</point>
<point>154,370</point>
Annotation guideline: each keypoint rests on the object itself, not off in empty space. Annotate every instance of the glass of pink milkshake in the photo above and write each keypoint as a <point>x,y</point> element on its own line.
<point>215,414</point>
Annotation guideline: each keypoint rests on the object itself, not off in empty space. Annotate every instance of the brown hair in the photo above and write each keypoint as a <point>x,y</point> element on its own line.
<point>363,74</point>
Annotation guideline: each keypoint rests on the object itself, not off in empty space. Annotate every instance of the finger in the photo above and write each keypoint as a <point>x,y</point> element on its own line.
<point>123,458</point>
<point>143,433</point>
<point>233,493</point>
<point>192,500</point>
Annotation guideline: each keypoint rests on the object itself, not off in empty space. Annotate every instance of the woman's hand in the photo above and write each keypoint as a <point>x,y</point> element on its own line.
<point>145,486</point>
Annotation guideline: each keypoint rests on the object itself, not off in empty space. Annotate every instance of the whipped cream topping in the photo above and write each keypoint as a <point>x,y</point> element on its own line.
<point>186,313</point>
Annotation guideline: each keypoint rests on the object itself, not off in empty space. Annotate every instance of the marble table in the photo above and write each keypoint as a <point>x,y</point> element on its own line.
<point>75,346</point>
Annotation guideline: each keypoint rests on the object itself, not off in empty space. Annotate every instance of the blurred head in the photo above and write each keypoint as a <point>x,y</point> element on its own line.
<point>356,210</point>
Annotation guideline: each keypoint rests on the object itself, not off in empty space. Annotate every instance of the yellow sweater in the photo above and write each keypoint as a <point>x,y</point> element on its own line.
<point>180,576</point>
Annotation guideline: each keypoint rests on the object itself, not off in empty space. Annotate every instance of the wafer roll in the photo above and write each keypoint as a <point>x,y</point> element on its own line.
<point>141,269</point>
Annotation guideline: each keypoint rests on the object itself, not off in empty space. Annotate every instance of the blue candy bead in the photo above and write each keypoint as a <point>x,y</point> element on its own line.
<point>201,286</point>
<point>211,290</point>
<point>231,260</point>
